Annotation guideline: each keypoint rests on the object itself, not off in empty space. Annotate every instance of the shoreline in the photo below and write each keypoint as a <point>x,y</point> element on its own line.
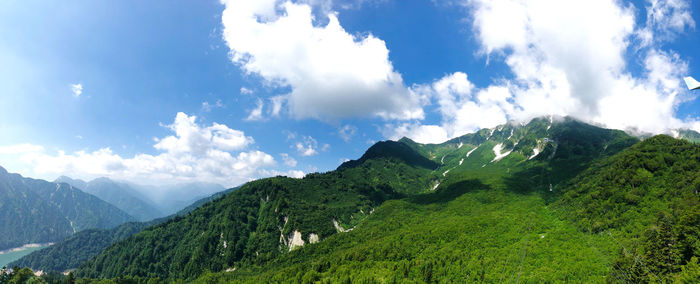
<point>24,247</point>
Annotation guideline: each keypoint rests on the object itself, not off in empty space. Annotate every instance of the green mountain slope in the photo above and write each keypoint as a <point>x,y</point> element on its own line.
<point>632,217</point>
<point>260,221</point>
<point>37,211</point>
<point>646,199</point>
<point>555,200</point>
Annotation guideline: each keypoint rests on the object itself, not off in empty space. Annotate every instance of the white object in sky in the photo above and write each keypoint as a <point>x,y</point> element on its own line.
<point>691,83</point>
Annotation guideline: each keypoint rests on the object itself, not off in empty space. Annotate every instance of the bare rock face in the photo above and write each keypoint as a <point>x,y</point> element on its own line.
<point>313,238</point>
<point>295,240</point>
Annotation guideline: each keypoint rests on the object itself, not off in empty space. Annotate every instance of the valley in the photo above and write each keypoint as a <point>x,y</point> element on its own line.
<point>9,255</point>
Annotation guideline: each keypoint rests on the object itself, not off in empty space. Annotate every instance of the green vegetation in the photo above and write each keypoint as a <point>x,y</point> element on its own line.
<point>48,212</point>
<point>646,198</point>
<point>78,248</point>
<point>257,222</point>
<point>550,201</point>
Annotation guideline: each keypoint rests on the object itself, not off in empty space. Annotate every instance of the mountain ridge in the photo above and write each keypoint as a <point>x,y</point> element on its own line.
<point>48,211</point>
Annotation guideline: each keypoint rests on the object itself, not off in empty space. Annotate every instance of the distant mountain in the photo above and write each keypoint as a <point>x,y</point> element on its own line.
<point>204,200</point>
<point>121,195</point>
<point>680,133</point>
<point>37,211</point>
<point>79,183</point>
<point>173,198</point>
<point>78,248</point>
<point>687,134</point>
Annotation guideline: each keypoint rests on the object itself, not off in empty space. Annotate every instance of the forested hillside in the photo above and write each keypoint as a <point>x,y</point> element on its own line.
<point>646,199</point>
<point>78,248</point>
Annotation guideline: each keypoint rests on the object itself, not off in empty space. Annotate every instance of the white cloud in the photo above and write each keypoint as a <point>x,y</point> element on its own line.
<point>191,138</point>
<point>347,131</point>
<point>214,153</point>
<point>290,173</point>
<point>568,62</point>
<point>331,74</point>
<point>416,131</point>
<point>20,149</point>
<point>77,89</point>
<point>665,19</point>
<point>463,109</point>
<point>246,91</point>
<point>288,161</point>
<point>256,113</point>
<point>277,102</point>
<point>564,61</point>
<point>207,107</point>
<point>308,146</point>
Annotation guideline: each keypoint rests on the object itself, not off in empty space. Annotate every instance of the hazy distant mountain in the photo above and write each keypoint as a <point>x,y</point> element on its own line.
<point>173,198</point>
<point>38,211</point>
<point>119,194</point>
<point>681,133</point>
<point>79,183</point>
<point>145,202</point>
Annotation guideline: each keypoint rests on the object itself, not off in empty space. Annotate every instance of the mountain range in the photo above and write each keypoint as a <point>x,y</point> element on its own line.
<point>69,253</point>
<point>121,195</point>
<point>550,200</point>
<point>37,211</point>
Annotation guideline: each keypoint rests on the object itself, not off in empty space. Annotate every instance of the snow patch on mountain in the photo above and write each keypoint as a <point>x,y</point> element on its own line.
<point>435,186</point>
<point>537,152</point>
<point>497,150</point>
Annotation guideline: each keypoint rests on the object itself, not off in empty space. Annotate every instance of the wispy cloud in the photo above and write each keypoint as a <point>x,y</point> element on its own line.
<point>257,112</point>
<point>309,146</point>
<point>207,107</point>
<point>77,89</point>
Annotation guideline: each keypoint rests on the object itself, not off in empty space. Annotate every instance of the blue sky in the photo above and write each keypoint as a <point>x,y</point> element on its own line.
<point>429,70</point>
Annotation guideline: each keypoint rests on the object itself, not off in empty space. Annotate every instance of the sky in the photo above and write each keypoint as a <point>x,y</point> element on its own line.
<point>164,92</point>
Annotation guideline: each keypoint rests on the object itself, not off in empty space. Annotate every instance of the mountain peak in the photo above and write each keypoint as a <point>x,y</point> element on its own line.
<point>396,150</point>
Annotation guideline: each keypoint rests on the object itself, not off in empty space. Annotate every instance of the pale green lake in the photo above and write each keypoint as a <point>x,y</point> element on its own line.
<point>8,257</point>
